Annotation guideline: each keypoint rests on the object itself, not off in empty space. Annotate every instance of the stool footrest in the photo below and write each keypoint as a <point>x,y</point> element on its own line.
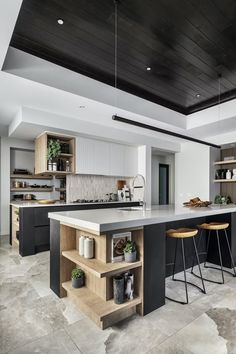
<point>188,282</point>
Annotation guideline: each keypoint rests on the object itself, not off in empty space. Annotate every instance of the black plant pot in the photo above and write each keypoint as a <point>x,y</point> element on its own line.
<point>77,282</point>
<point>119,289</point>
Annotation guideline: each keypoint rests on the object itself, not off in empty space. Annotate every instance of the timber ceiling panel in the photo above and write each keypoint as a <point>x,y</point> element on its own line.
<point>185,42</point>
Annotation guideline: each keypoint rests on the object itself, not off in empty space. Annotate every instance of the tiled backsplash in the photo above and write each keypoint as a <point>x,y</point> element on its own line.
<point>91,187</point>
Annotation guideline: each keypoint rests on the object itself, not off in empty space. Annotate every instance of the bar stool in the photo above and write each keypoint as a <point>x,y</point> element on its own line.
<point>215,226</point>
<point>181,234</point>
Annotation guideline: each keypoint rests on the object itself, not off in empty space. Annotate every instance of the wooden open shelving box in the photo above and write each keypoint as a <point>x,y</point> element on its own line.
<point>41,145</point>
<point>95,299</point>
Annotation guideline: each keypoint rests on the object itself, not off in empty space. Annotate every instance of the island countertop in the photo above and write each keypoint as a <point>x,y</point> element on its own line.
<point>101,220</point>
<point>35,204</point>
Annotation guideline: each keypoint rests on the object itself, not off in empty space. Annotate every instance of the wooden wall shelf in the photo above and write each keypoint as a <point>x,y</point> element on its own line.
<point>31,177</point>
<point>46,190</point>
<point>41,147</point>
<point>98,268</point>
<point>225,162</point>
<point>224,180</point>
<point>100,311</point>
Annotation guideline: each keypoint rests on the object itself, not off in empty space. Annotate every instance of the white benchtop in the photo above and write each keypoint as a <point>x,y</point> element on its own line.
<point>28,204</point>
<point>102,220</point>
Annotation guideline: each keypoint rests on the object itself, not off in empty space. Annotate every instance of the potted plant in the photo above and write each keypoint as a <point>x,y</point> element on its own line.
<point>54,150</point>
<point>77,276</point>
<point>130,251</point>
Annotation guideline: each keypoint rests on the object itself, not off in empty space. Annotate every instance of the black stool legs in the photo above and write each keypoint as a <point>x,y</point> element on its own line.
<point>220,258</point>
<point>184,266</point>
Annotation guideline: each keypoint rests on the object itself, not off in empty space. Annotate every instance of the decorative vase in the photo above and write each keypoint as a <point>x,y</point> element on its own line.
<point>77,282</point>
<point>130,257</point>
<point>54,166</point>
<point>49,165</point>
<point>81,245</point>
<point>129,286</point>
<point>119,289</point>
<point>88,247</point>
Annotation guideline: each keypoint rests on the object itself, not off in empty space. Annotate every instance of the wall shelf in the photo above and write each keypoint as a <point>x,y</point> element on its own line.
<point>97,309</point>
<point>98,268</point>
<point>41,149</point>
<point>224,180</point>
<point>31,177</point>
<point>225,162</point>
<point>32,189</point>
<point>60,189</point>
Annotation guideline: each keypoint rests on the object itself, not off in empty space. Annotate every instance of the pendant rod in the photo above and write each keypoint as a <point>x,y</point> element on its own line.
<point>163,131</point>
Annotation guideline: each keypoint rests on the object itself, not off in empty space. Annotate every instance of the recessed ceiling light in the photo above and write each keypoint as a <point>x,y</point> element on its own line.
<point>60,21</point>
<point>198,95</point>
<point>149,68</point>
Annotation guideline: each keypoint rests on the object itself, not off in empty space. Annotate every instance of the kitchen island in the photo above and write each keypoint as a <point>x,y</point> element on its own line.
<point>155,260</point>
<point>30,225</point>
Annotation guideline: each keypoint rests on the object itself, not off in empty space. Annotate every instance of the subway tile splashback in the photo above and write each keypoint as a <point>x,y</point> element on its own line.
<point>91,187</point>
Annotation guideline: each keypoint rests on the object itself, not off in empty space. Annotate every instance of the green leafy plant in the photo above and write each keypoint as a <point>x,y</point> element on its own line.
<point>130,247</point>
<point>77,273</point>
<point>219,200</point>
<point>54,149</point>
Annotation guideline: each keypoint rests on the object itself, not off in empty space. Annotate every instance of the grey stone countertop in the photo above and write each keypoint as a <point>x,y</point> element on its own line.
<point>100,220</point>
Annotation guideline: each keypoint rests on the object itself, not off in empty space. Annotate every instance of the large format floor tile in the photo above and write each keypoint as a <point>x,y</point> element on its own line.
<point>34,320</point>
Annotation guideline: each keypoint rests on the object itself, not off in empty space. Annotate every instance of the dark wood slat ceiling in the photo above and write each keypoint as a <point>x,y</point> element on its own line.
<point>187,43</point>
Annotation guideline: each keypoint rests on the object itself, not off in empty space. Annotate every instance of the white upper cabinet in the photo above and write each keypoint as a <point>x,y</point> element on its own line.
<point>97,157</point>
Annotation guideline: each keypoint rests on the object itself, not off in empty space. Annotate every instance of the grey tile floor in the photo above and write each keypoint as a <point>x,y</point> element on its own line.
<point>34,320</point>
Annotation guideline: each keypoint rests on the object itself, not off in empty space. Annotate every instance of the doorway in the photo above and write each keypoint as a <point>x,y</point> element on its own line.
<point>163,184</point>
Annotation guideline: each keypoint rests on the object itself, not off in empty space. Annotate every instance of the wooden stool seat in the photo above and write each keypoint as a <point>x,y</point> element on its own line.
<point>214,226</point>
<point>182,232</point>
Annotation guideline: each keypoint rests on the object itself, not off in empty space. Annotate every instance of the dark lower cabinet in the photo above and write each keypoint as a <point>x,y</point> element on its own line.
<point>34,226</point>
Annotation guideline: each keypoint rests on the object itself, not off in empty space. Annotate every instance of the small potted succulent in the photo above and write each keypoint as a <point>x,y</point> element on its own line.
<point>77,276</point>
<point>130,251</point>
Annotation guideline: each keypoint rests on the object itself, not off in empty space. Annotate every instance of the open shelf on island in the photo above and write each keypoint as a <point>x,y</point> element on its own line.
<point>97,309</point>
<point>98,268</point>
<point>225,162</point>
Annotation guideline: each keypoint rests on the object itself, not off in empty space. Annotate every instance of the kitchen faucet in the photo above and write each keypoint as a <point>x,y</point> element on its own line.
<point>144,194</point>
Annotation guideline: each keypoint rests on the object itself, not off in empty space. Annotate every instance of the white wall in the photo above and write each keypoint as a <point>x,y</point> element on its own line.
<point>6,145</point>
<point>22,159</point>
<point>192,172</point>
<point>156,160</point>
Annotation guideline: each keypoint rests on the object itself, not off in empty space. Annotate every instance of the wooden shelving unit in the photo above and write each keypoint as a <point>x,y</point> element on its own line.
<point>225,162</point>
<point>224,180</point>
<point>31,177</point>
<point>15,226</point>
<point>41,145</point>
<point>98,268</point>
<point>95,299</point>
<point>27,189</point>
<point>100,311</point>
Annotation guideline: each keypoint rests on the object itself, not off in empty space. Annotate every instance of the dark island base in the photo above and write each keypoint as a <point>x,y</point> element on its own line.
<point>34,226</point>
<point>159,255</point>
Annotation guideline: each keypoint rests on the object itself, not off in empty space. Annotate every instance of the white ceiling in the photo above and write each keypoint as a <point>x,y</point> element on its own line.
<point>55,95</point>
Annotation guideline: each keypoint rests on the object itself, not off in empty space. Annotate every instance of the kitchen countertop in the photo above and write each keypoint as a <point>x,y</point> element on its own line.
<point>100,221</point>
<point>35,204</point>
